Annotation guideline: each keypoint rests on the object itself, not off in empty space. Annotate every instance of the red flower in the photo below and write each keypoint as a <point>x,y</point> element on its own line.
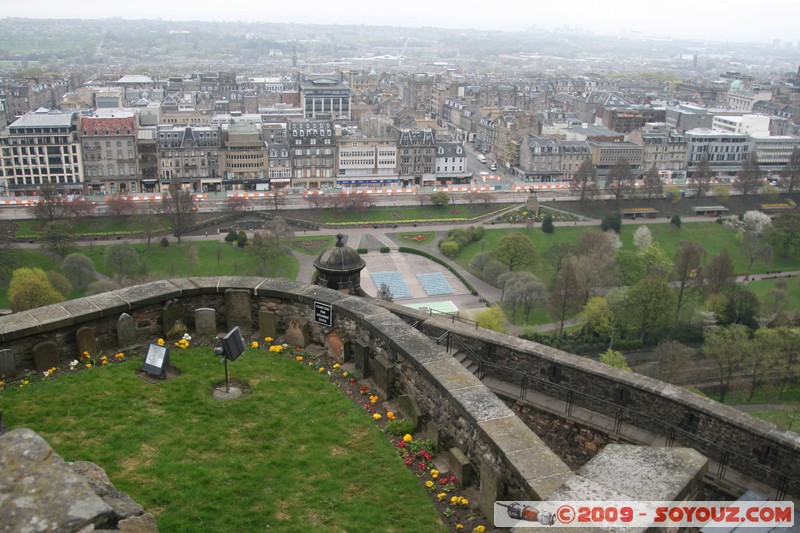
<point>352,380</point>
<point>443,481</point>
<point>453,480</point>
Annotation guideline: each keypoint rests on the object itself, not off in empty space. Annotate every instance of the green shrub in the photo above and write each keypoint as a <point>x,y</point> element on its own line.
<point>385,249</point>
<point>417,445</point>
<point>241,239</point>
<point>362,250</point>
<point>399,426</point>
<point>449,247</point>
<point>231,236</point>
<point>164,242</point>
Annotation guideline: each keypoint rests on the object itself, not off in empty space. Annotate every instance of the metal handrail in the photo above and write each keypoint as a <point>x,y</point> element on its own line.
<point>454,317</point>
<point>672,431</point>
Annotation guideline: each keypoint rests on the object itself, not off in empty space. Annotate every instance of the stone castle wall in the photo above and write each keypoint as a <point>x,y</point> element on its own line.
<point>454,405</point>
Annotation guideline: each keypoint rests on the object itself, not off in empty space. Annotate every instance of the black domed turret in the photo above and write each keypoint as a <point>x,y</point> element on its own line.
<point>340,267</point>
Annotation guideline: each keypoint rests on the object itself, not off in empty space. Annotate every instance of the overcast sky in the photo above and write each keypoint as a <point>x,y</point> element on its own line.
<point>732,20</point>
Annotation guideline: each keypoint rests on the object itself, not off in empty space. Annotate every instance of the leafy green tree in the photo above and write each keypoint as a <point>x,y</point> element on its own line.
<point>620,181</point>
<point>655,260</point>
<point>515,251</point>
<point>722,194</point>
<point>631,267</point>
<point>611,222</point>
<point>449,247</point>
<point>58,237</point>
<point>241,238</point>
<point>584,184</point>
<point>616,359</point>
<point>652,187</point>
<point>784,233</point>
<point>729,348</point>
<point>651,305</point>
<point>30,288</point>
<point>232,236</point>
<point>547,224</point>
<point>700,179</point>
<point>439,199</point>
<point>598,318</point>
<point>493,319</point>
<point>741,307</point>
<point>122,260</point>
<point>59,282</point>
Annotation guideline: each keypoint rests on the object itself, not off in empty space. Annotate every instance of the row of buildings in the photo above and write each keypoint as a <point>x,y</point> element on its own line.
<point>222,131</point>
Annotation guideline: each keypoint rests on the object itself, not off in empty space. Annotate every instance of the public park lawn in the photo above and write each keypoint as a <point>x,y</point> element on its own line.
<point>215,258</point>
<point>407,215</point>
<point>312,245</point>
<point>293,454</point>
<point>90,226</point>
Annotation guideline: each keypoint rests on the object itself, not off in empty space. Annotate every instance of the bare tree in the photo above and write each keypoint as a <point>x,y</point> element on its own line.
<point>652,186</point>
<point>50,206</point>
<point>620,180</point>
<point>178,206</point>
<point>700,179</point>
<point>687,269</point>
<point>584,184</point>
<point>790,174</point>
<point>566,298</point>
<point>119,206</point>
<point>237,204</point>
<point>749,178</point>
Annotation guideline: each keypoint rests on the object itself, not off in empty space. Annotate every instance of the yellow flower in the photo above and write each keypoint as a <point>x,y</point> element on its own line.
<point>299,357</point>
<point>160,342</point>
<point>373,400</point>
<point>390,415</point>
<point>463,502</point>
<point>321,369</point>
<point>429,484</point>
<point>434,473</point>
<point>407,437</point>
<point>454,500</point>
<point>479,529</point>
<point>336,365</point>
<point>267,339</point>
<point>345,374</point>
<point>254,344</point>
<point>86,354</point>
<point>377,416</point>
<point>441,496</point>
<point>88,365</point>
<point>459,527</point>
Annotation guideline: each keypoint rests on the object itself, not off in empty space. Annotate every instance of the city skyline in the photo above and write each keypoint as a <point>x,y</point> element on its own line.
<point>713,20</point>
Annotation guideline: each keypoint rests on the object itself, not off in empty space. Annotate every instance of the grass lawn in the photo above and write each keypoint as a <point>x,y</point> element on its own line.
<point>215,258</point>
<point>293,454</point>
<point>785,418</point>
<point>90,225</point>
<point>762,289</point>
<point>408,214</point>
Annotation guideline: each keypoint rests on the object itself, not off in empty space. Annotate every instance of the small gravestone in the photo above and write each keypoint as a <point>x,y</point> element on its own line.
<point>267,323</point>
<point>383,374</point>
<point>297,333</point>
<point>490,489</point>
<point>8,365</point>
<point>126,332</point>
<point>361,353</point>
<point>86,340</point>
<point>238,311</point>
<point>46,355</point>
<point>172,312</point>
<point>460,466</point>
<point>205,322</point>
<point>408,406</point>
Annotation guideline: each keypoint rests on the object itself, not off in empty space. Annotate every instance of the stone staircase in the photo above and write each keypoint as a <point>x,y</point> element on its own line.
<point>468,363</point>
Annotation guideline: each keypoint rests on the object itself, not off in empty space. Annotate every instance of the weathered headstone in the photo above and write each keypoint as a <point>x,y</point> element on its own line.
<point>408,406</point>
<point>361,353</point>
<point>126,332</point>
<point>383,374</point>
<point>172,312</point>
<point>8,365</point>
<point>238,311</point>
<point>297,333</point>
<point>267,323</point>
<point>45,355</point>
<point>205,322</point>
<point>86,340</point>
<point>460,466</point>
<point>490,489</point>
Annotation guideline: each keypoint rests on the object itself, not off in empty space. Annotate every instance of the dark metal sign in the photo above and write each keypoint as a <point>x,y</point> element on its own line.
<point>323,314</point>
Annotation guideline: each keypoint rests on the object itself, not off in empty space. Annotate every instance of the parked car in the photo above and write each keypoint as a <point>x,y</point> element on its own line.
<point>493,167</point>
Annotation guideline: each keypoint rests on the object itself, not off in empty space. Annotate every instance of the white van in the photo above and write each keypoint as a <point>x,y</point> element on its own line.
<point>481,158</point>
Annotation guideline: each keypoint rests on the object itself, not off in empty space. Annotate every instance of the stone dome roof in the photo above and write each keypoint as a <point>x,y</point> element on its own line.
<point>339,258</point>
